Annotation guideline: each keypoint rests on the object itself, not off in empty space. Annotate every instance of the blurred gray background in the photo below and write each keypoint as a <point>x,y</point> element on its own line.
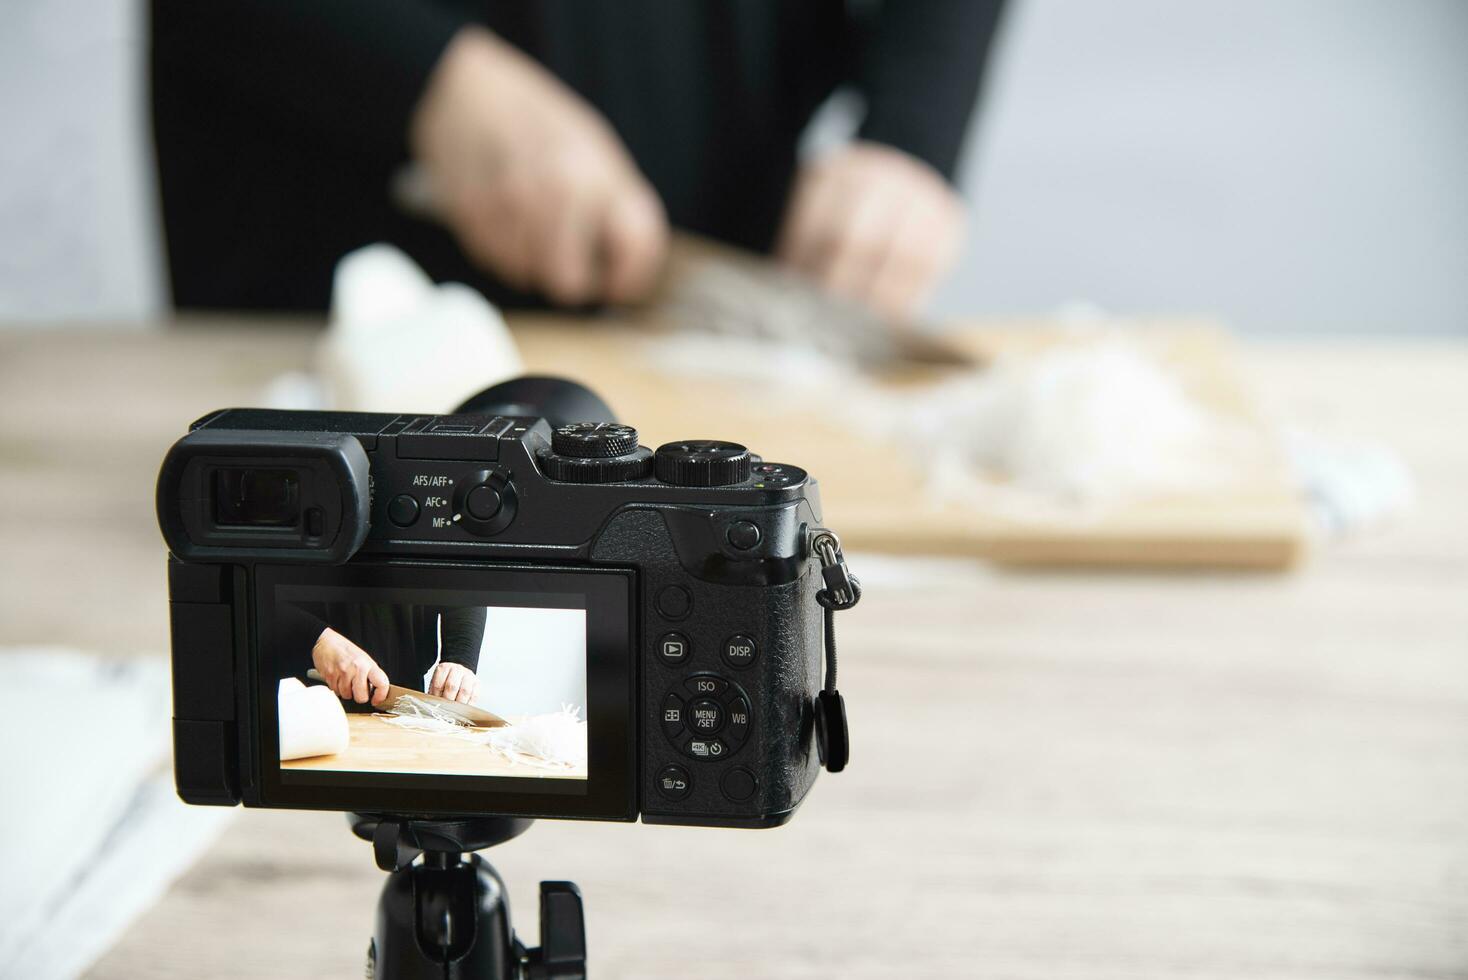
<point>1296,167</point>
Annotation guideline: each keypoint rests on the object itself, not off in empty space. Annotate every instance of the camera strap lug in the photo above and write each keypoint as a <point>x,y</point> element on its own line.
<point>842,591</point>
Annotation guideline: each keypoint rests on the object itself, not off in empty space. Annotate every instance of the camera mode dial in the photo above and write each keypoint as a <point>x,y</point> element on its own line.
<point>595,452</point>
<point>593,440</point>
<point>703,463</point>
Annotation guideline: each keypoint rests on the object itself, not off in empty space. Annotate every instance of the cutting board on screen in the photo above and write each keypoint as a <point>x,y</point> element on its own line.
<point>876,495</point>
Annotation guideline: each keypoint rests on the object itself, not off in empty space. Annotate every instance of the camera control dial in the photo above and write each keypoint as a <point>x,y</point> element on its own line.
<point>708,719</point>
<point>702,463</point>
<point>484,502</point>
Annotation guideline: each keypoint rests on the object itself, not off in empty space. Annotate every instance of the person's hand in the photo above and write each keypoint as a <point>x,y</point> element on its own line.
<point>348,669</point>
<point>533,183</point>
<point>455,682</point>
<point>874,224</point>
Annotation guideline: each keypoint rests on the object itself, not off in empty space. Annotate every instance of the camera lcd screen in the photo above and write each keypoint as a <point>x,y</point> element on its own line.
<point>405,687</point>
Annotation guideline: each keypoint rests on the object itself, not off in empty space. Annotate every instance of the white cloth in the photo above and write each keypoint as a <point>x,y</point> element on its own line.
<point>91,832</point>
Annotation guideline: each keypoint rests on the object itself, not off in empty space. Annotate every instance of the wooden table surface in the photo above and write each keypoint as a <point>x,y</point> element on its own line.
<point>1055,775</point>
<point>376,745</point>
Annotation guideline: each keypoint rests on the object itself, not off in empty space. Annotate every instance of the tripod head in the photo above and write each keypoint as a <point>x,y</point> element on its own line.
<point>448,918</point>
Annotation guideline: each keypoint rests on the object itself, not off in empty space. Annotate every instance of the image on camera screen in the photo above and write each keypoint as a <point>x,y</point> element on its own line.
<point>396,687</point>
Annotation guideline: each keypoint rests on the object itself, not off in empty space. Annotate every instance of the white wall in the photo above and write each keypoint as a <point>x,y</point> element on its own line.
<point>78,237</point>
<point>533,661</point>
<point>1294,165</point>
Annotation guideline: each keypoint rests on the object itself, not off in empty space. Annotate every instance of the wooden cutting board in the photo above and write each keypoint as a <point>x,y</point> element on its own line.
<point>875,495</point>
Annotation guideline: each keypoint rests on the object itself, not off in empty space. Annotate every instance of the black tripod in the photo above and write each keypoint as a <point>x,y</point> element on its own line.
<point>448,917</point>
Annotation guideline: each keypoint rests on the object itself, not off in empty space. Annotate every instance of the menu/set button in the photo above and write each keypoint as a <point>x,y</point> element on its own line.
<point>705,717</point>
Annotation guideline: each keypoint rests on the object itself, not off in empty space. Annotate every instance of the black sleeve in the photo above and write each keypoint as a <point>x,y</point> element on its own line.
<point>349,68</point>
<point>297,628</point>
<point>919,64</point>
<point>462,632</point>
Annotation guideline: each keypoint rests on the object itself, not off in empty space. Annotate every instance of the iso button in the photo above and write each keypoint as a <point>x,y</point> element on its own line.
<point>706,685</point>
<point>739,651</point>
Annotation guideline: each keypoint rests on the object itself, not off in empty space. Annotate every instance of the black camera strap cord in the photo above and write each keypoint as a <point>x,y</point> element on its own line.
<point>842,591</point>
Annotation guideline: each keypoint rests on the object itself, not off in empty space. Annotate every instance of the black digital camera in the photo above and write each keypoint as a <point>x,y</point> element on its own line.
<point>644,628</point>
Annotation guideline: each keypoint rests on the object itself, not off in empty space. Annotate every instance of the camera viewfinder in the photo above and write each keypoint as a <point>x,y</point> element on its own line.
<point>257,497</point>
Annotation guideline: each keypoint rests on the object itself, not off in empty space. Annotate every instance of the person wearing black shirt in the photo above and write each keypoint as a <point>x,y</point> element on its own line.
<point>359,648</point>
<point>560,140</point>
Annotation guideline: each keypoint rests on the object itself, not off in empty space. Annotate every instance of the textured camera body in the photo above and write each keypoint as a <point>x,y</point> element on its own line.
<point>710,705</point>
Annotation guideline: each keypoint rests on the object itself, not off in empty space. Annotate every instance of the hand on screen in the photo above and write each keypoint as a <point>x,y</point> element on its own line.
<point>348,669</point>
<point>455,682</point>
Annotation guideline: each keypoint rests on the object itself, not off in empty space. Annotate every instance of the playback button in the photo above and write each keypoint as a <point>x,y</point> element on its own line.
<point>674,782</point>
<point>673,648</point>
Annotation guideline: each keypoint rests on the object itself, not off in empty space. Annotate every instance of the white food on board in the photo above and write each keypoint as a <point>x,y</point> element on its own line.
<point>554,740</point>
<point>312,721</point>
<point>398,342</point>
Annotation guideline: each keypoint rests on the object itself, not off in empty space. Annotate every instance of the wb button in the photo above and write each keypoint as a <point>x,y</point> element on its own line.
<point>673,648</point>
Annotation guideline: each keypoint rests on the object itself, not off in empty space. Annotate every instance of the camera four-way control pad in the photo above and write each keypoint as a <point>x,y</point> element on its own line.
<point>708,718</point>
